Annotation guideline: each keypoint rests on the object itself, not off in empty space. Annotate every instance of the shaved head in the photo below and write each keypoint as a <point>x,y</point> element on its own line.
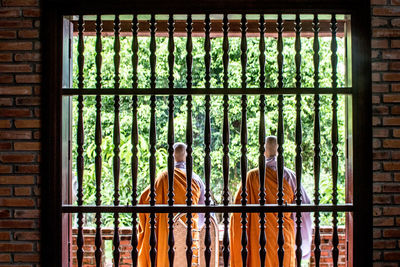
<point>271,146</point>
<point>179,152</point>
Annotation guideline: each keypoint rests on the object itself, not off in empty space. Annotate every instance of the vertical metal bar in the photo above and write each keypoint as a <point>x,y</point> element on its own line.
<point>299,137</point>
<point>189,140</point>
<point>335,238</point>
<point>243,137</point>
<point>225,139</point>
<point>207,138</point>
<point>171,241</point>
<point>171,59</point>
<point>153,239</point>
<point>80,140</point>
<point>261,141</point>
<point>317,141</point>
<point>116,140</point>
<point>134,137</point>
<point>281,240</point>
<point>98,141</point>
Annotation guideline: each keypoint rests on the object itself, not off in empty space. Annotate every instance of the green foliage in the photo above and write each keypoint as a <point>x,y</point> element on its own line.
<point>198,114</point>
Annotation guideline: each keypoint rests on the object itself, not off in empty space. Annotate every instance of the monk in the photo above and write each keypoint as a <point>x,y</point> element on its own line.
<point>161,189</point>
<point>271,225</point>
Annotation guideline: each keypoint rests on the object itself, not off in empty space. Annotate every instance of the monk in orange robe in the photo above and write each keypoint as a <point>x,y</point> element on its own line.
<point>271,225</point>
<point>161,229</point>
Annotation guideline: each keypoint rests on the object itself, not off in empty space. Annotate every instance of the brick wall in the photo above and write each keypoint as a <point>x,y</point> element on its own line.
<point>125,249</point>
<point>386,130</point>
<point>19,132</point>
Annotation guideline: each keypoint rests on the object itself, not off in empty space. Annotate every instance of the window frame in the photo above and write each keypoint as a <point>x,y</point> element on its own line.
<point>54,223</point>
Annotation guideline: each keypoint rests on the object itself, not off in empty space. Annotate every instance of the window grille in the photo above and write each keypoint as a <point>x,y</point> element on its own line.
<point>313,25</point>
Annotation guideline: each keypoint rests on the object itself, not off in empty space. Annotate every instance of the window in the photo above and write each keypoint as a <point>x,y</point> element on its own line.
<point>272,85</point>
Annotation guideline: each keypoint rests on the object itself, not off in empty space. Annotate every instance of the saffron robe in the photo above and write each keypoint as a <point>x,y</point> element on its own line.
<point>161,229</point>
<point>271,224</point>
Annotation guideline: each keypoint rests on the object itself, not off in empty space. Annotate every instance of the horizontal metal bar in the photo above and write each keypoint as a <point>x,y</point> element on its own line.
<point>251,208</point>
<point>204,91</point>
<point>216,30</point>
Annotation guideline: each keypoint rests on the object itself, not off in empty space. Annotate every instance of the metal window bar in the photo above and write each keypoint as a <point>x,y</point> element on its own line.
<point>226,208</point>
<point>98,140</point>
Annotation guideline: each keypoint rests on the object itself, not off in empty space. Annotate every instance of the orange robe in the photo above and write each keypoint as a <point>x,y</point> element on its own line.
<point>271,225</point>
<point>161,189</point>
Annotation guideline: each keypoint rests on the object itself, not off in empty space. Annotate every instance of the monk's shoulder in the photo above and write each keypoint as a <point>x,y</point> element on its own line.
<point>252,174</point>
<point>162,177</point>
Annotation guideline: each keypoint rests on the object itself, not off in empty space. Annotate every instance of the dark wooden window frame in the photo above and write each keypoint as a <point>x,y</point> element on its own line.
<point>55,224</point>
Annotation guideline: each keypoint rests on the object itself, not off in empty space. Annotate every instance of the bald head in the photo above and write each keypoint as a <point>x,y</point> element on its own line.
<point>180,152</point>
<point>271,146</point>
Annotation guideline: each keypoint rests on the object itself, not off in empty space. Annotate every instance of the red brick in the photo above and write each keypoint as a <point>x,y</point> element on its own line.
<point>379,32</point>
<point>380,132</point>
<point>4,191</point>
<point>392,211</point>
<point>383,221</point>
<point>395,2</point>
<point>395,87</point>
<point>391,143</point>
<point>15,45</point>
<point>4,214</point>
<point>5,169</point>
<point>5,123</point>
<point>27,101</point>
<point>31,13</point>
<point>27,123</point>
<point>7,135</point>
<point>396,133</point>
<point>376,77</point>
<point>16,202</point>
<point>9,13</point>
<point>16,158</point>
<point>379,88</point>
<point>386,11</point>
<point>15,90</point>
<point>391,188</point>
<point>391,77</point>
<point>382,244</point>
<point>26,214</point>
<point>381,199</point>
<point>28,146</point>
<point>379,66</point>
<point>5,258</point>
<point>20,247</point>
<point>395,43</point>
<point>379,155</point>
<point>18,3</point>
<point>391,166</point>
<point>21,112</point>
<point>27,78</point>
<point>5,145</point>
<point>381,110</point>
<point>27,169</point>
<point>28,34</point>
<point>391,54</point>
<point>26,258</point>
<point>6,78</point>
<point>27,57</point>
<point>27,236</point>
<point>391,121</point>
<point>382,177</point>
<point>379,22</point>
<point>15,68</point>
<point>391,255</point>
<point>5,101</point>
<point>16,180</point>
<point>22,191</point>
<point>5,57</point>
<point>8,34</point>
